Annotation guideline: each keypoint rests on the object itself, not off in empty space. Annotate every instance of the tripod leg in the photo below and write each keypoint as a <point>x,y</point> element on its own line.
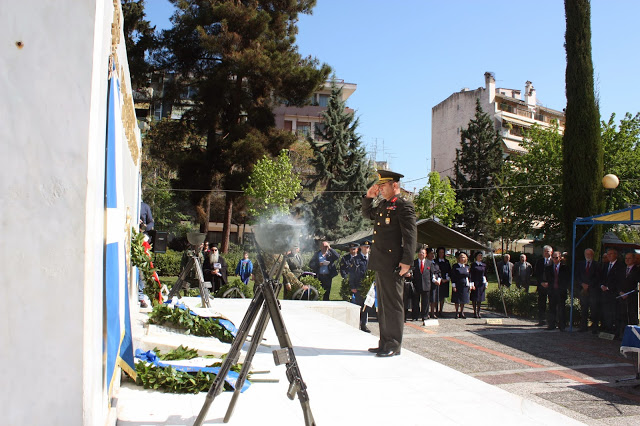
<point>286,355</point>
<point>234,354</point>
<point>204,294</point>
<point>258,332</point>
<point>175,290</point>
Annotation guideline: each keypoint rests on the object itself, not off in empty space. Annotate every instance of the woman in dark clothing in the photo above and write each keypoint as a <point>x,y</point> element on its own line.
<point>445,275</point>
<point>460,283</point>
<point>478,279</point>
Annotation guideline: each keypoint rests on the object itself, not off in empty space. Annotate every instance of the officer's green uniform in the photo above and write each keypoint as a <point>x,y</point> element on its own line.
<point>393,242</point>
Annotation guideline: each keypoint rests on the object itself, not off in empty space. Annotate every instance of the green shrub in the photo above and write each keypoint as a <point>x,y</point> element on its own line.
<point>168,264</point>
<point>234,255</point>
<point>577,311</point>
<point>517,301</point>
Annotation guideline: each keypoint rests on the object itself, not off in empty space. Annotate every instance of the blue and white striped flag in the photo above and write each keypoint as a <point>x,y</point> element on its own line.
<point>119,348</point>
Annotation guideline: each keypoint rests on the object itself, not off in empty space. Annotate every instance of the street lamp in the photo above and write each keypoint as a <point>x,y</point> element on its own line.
<point>610,182</point>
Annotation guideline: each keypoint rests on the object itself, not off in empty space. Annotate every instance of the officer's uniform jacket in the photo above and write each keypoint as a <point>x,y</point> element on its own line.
<point>394,233</point>
<point>353,267</point>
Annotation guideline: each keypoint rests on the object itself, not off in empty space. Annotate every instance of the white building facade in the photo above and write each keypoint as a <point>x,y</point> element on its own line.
<point>509,110</point>
<point>57,61</point>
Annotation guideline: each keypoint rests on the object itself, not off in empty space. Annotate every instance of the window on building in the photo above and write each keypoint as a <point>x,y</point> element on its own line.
<point>323,100</point>
<point>303,128</point>
<point>288,125</point>
<point>517,131</point>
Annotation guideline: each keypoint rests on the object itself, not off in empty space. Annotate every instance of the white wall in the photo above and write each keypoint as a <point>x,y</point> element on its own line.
<point>52,141</point>
<point>447,119</point>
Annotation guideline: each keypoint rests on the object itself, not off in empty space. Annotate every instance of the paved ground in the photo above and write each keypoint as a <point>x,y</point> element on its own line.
<point>346,384</point>
<point>569,372</point>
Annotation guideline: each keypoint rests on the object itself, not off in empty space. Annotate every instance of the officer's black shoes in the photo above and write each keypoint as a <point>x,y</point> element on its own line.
<point>386,354</point>
<point>365,329</point>
<point>374,350</point>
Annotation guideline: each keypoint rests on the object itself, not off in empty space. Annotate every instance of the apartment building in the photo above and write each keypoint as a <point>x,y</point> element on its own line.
<point>509,109</point>
<point>150,105</point>
<point>303,120</point>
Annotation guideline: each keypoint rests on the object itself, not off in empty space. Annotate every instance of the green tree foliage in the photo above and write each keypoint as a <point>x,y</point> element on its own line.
<point>534,183</point>
<point>582,153</point>
<point>272,186</point>
<point>533,189</point>
<point>438,200</point>
<point>622,158</point>
<point>341,168</point>
<point>478,163</point>
<point>232,62</point>
<point>140,40</point>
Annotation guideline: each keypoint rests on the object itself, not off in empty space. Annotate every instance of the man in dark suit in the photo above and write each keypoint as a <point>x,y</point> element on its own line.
<point>392,248</point>
<point>353,266</point>
<point>611,279</point>
<point>557,278</point>
<point>538,272</point>
<point>588,288</point>
<point>505,269</point>
<point>322,263</point>
<point>421,285</point>
<point>522,272</point>
<point>628,303</point>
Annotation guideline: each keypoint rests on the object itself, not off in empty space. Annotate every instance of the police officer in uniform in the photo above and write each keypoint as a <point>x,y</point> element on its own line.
<point>354,266</point>
<point>392,248</point>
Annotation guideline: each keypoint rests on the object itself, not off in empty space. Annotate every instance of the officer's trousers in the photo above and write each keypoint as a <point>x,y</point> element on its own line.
<point>390,288</point>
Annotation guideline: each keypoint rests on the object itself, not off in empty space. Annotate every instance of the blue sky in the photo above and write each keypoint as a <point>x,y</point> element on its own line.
<point>407,56</point>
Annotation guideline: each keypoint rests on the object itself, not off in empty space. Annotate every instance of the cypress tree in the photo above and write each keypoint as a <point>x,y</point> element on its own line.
<point>582,154</point>
<point>478,163</point>
<point>341,169</point>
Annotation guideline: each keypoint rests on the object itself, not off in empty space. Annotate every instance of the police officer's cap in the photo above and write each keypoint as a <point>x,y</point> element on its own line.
<point>354,245</point>
<point>366,243</point>
<point>385,176</point>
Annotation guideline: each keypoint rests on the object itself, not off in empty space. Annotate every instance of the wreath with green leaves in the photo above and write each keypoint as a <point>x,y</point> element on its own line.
<point>168,379</point>
<point>365,285</point>
<point>192,324</point>
<point>236,282</point>
<point>308,281</point>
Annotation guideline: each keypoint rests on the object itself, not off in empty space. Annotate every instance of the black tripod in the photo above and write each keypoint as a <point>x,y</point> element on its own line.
<point>265,298</point>
<point>202,285</point>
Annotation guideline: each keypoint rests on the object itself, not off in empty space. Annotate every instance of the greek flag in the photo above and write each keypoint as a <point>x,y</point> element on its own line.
<point>119,347</point>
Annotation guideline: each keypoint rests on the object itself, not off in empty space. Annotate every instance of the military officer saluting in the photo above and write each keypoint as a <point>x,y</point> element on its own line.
<point>392,248</point>
<point>354,266</point>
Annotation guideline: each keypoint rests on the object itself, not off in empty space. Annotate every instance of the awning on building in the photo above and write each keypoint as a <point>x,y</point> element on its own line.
<point>513,146</point>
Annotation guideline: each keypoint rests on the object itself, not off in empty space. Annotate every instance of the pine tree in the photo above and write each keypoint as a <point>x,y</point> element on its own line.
<point>140,40</point>
<point>341,168</point>
<point>582,165</point>
<point>235,61</point>
<point>478,163</point>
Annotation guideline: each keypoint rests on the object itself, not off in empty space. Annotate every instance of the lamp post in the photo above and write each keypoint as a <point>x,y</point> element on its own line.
<point>610,182</point>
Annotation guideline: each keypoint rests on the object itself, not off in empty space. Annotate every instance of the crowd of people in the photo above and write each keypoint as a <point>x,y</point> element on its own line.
<point>607,290</point>
<point>411,289</point>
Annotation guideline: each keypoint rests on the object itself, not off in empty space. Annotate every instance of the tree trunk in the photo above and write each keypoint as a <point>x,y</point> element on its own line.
<point>203,210</point>
<point>226,226</point>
